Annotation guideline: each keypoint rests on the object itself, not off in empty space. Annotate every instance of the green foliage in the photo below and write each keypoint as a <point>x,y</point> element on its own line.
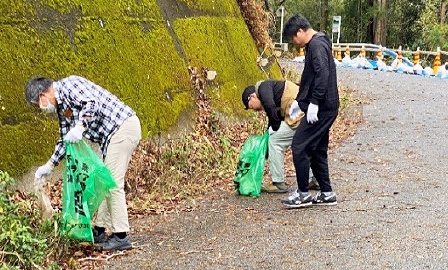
<point>437,36</point>
<point>433,33</point>
<point>409,23</point>
<point>218,7</point>
<point>26,241</point>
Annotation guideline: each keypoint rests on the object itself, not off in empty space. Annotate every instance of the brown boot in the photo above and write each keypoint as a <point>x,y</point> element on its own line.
<point>279,187</point>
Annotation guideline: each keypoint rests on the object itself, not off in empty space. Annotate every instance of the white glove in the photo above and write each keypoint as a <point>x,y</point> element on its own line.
<point>43,171</point>
<point>75,134</point>
<point>311,114</point>
<point>271,131</point>
<point>294,110</point>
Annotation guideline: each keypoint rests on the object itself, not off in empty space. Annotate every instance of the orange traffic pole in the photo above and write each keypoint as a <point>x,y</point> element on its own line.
<point>437,62</point>
<point>301,52</point>
<point>399,56</point>
<point>363,51</point>
<point>379,53</point>
<point>339,55</point>
<point>417,56</point>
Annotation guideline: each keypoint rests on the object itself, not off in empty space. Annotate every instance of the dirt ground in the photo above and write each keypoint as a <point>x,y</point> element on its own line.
<point>390,179</point>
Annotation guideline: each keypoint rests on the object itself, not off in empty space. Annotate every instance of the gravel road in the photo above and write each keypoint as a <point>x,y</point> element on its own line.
<point>390,178</point>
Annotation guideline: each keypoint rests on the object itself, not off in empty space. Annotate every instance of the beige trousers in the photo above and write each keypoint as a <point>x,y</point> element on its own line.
<point>113,212</point>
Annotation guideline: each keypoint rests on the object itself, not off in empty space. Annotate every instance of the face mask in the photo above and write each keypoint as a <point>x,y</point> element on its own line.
<point>50,108</point>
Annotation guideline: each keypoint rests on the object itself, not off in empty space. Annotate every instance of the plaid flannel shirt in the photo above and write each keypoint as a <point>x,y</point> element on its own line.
<point>81,101</point>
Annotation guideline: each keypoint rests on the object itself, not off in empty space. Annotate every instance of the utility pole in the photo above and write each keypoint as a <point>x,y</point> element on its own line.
<point>281,24</point>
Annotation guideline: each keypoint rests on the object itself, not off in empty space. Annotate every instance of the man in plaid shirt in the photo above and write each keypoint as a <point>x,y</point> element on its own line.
<point>87,110</point>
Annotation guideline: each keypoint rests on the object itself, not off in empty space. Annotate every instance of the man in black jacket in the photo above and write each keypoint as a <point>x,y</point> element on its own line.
<point>318,98</point>
<point>275,98</point>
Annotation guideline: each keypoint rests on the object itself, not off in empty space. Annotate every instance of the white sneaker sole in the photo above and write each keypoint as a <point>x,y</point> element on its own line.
<point>326,204</point>
<point>298,205</point>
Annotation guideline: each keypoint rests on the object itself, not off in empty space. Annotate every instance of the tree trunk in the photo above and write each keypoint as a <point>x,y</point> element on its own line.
<point>380,23</point>
<point>266,5</point>
<point>323,15</point>
<point>443,12</point>
<point>370,26</point>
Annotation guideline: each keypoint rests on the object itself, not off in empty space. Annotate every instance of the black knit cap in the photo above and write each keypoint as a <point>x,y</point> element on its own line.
<point>246,94</point>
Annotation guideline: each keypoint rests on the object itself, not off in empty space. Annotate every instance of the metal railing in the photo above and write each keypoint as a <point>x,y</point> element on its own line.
<point>356,47</point>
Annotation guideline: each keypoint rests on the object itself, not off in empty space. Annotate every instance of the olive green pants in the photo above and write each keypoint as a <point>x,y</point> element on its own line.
<point>279,141</point>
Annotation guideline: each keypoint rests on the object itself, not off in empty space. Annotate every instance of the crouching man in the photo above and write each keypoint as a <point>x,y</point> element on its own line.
<point>85,109</point>
<point>275,98</point>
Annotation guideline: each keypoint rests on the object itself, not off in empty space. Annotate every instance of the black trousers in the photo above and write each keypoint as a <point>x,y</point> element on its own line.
<point>309,149</point>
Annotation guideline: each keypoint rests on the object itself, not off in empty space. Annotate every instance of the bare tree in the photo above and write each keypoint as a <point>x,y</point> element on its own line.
<point>380,23</point>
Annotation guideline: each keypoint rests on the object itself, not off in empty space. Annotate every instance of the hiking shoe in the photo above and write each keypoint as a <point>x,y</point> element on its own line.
<point>275,188</point>
<point>321,199</point>
<point>99,238</point>
<point>297,200</point>
<point>115,243</point>
<point>313,185</point>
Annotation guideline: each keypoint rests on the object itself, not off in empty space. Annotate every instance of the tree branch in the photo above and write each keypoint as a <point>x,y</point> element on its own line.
<point>18,257</point>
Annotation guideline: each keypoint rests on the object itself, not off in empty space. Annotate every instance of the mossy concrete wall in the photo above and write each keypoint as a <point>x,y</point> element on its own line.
<point>137,49</point>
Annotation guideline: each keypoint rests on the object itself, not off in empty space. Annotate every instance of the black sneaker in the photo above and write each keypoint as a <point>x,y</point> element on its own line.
<point>296,200</point>
<point>321,199</point>
<point>115,243</point>
<point>99,238</point>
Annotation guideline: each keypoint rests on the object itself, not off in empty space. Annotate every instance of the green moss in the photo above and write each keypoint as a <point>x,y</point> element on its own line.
<point>124,46</point>
<point>26,144</point>
<point>218,7</point>
<point>134,57</point>
<point>224,45</point>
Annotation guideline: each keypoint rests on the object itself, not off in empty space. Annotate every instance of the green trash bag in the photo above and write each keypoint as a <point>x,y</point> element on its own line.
<point>250,170</point>
<point>87,180</point>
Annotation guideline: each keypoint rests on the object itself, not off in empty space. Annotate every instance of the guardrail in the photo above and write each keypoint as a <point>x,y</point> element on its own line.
<point>374,48</point>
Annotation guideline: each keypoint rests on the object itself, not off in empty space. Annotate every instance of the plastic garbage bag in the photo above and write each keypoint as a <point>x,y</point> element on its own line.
<point>250,170</point>
<point>381,65</point>
<point>346,61</point>
<point>428,71</point>
<point>299,59</point>
<point>441,72</point>
<point>401,68</point>
<point>43,200</point>
<point>87,181</point>
<point>445,75</point>
<point>367,64</point>
<point>418,69</point>
<point>336,62</point>
<point>409,70</point>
